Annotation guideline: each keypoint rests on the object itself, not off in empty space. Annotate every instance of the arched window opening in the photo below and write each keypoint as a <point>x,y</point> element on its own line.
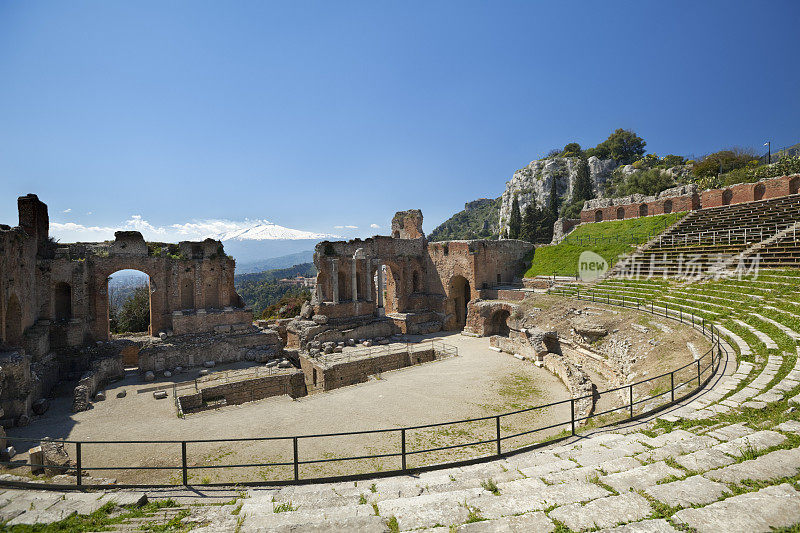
<point>668,206</point>
<point>598,216</point>
<point>499,323</point>
<point>415,284</point>
<point>459,300</point>
<point>620,213</point>
<point>643,210</point>
<point>129,303</point>
<point>727,197</point>
<point>758,191</point>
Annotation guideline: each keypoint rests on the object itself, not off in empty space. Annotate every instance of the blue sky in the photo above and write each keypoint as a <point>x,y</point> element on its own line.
<point>320,115</point>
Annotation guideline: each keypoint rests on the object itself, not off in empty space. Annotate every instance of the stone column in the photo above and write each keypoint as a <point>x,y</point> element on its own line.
<point>380,285</point>
<point>354,278</point>
<point>335,280</point>
<point>368,287</point>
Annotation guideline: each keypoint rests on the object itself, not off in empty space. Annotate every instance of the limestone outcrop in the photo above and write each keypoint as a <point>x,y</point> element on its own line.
<point>536,179</point>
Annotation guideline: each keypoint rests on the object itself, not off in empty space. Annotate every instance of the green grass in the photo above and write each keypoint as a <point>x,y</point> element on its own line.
<point>562,259</point>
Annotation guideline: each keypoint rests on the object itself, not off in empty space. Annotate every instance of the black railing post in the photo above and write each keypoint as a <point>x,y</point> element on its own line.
<point>630,389</point>
<point>672,385</point>
<point>497,420</point>
<point>698,373</point>
<point>184,470</point>
<point>403,448</point>
<point>78,463</point>
<point>572,414</point>
<point>296,460</point>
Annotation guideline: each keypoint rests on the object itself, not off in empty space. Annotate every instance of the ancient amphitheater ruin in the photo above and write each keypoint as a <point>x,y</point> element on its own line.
<point>426,386</point>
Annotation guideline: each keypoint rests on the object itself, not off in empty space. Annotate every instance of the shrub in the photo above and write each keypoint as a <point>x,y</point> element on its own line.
<point>724,161</point>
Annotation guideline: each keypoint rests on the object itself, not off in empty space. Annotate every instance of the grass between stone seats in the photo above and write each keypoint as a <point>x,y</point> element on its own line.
<point>562,259</point>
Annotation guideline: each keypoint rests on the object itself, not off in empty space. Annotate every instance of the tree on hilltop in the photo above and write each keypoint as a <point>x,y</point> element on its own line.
<point>623,146</point>
<point>515,221</point>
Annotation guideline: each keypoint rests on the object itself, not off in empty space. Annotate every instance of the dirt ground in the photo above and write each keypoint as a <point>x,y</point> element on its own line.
<point>478,383</point>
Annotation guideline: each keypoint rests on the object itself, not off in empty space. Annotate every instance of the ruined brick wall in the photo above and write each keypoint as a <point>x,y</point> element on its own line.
<point>686,199</point>
<point>424,282</point>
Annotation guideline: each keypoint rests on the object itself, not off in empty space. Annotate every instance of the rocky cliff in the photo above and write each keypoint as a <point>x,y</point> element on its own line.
<point>478,220</point>
<point>536,178</point>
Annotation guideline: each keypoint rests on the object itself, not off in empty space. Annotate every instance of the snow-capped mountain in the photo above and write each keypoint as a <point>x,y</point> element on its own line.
<point>262,230</point>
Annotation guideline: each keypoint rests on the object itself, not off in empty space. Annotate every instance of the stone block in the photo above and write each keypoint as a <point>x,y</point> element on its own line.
<point>160,394</point>
<point>36,459</point>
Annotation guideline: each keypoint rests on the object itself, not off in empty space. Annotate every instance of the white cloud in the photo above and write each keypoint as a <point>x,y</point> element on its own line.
<point>374,226</point>
<point>346,227</point>
<point>193,230</point>
<point>67,210</point>
<point>89,212</point>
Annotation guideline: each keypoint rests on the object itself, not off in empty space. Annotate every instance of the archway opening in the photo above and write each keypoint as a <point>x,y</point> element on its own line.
<point>415,284</point>
<point>643,210</point>
<point>727,196</point>
<point>620,213</point>
<point>598,216</point>
<point>129,303</point>
<point>668,206</point>
<point>758,191</point>
<point>499,323</point>
<point>62,302</point>
<point>459,298</point>
<point>794,185</point>
<point>13,329</point>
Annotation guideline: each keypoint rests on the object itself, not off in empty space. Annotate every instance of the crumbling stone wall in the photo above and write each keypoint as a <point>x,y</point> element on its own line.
<point>244,343</point>
<point>104,371</point>
<point>289,382</point>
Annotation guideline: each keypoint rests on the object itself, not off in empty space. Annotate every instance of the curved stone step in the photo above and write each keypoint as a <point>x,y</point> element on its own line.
<point>744,348</point>
<point>789,331</point>
<point>763,337</point>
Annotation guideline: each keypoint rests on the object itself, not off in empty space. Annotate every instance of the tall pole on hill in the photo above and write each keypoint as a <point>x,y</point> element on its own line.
<point>768,144</point>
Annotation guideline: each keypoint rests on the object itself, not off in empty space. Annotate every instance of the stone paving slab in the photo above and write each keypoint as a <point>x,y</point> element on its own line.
<point>760,440</point>
<point>703,460</point>
<point>774,465</point>
<point>790,426</point>
<point>429,509</point>
<point>523,501</point>
<point>598,454</point>
<point>641,477</point>
<point>694,490</point>
<point>529,522</point>
<point>730,432</point>
<point>645,526</point>
<point>605,512</point>
<point>543,469</point>
<point>675,449</point>
<point>768,508</point>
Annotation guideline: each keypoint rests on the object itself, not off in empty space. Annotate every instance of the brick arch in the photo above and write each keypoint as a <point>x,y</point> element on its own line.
<point>499,322</point>
<point>620,213</point>
<point>459,294</point>
<point>758,191</point>
<point>150,289</point>
<point>643,210</point>
<point>598,215</point>
<point>727,197</point>
<point>794,185</point>
<point>668,206</point>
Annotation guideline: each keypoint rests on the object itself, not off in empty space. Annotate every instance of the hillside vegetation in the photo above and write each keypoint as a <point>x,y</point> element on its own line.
<point>608,239</point>
<point>263,293</point>
<point>478,220</point>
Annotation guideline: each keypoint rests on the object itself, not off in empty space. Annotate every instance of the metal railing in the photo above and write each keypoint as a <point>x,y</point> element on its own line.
<point>699,371</point>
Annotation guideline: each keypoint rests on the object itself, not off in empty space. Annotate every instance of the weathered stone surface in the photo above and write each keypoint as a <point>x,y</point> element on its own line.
<point>640,478</point>
<point>160,394</point>
<point>40,406</point>
<point>768,508</point>
<point>529,522</point>
<point>429,509</point>
<point>54,457</point>
<point>605,512</point>
<point>645,526</point>
<point>730,432</point>
<point>790,426</point>
<point>703,460</point>
<point>775,464</point>
<point>687,492</point>
<point>757,441</point>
